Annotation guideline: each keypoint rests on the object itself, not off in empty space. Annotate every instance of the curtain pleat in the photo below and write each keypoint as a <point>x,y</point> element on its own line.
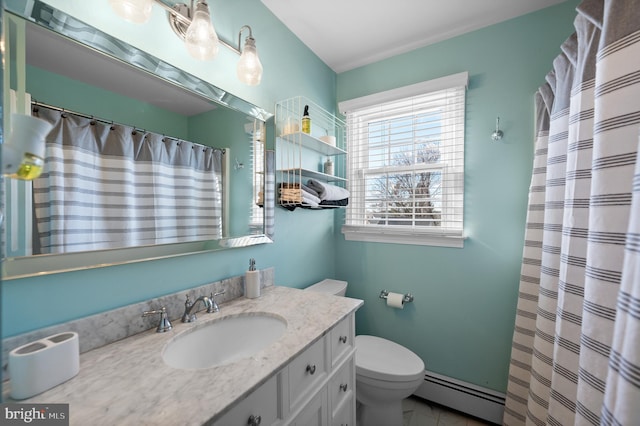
<point>576,341</point>
<point>111,186</point>
<point>525,325</point>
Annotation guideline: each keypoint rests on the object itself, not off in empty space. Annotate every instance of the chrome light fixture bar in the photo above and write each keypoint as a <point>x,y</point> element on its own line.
<point>192,23</point>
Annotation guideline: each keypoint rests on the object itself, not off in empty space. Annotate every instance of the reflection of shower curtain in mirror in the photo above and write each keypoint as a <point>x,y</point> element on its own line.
<point>107,186</point>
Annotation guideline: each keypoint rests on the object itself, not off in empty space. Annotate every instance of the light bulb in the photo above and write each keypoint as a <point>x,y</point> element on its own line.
<point>201,38</point>
<point>24,149</point>
<point>249,67</point>
<point>136,11</point>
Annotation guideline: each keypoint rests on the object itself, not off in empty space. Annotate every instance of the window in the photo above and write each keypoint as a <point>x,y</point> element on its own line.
<point>406,164</point>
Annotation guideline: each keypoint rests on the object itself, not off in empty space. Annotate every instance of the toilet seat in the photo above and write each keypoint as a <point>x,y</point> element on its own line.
<point>381,359</point>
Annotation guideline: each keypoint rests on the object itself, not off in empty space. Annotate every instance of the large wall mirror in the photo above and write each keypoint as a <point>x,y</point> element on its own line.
<point>69,68</point>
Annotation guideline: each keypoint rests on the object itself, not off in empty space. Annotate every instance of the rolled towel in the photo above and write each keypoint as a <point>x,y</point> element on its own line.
<point>310,190</point>
<point>327,191</point>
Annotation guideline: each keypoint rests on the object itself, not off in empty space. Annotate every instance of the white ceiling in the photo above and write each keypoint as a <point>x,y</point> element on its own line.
<point>347,34</point>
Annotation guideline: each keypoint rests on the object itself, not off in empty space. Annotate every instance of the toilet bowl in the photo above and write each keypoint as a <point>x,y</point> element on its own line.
<point>386,372</point>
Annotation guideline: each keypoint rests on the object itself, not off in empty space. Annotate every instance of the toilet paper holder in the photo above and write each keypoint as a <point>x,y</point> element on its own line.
<point>406,299</point>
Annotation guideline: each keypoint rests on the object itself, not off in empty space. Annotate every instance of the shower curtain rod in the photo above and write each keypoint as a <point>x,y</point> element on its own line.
<point>102,120</point>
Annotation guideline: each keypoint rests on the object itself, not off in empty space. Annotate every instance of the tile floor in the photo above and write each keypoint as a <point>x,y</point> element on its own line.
<point>419,412</point>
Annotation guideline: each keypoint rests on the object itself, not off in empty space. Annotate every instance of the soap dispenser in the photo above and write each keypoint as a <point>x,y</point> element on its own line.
<point>328,167</point>
<point>306,120</point>
<point>252,281</point>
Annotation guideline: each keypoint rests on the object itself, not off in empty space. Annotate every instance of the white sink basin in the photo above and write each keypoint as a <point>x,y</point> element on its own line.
<point>223,341</point>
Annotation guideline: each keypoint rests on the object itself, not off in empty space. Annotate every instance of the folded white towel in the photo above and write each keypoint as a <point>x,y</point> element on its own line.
<point>310,200</point>
<point>327,191</point>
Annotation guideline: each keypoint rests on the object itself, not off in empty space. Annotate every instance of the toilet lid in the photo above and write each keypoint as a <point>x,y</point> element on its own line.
<point>328,286</point>
<point>383,359</point>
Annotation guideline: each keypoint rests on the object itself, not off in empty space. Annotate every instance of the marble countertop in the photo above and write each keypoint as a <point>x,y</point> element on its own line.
<point>127,382</point>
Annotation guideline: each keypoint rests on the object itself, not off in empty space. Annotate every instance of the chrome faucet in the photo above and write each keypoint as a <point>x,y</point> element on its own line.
<point>190,308</point>
<point>164,324</point>
<point>214,307</point>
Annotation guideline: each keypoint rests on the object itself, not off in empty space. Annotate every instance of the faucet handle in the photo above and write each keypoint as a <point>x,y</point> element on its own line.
<point>214,305</point>
<point>164,324</point>
<point>188,316</point>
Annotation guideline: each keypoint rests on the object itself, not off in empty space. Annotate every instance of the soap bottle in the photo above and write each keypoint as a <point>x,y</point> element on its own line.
<point>306,120</point>
<point>252,281</point>
<point>328,167</point>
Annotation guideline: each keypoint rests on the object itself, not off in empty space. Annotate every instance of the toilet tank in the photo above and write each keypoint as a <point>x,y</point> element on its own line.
<point>336,287</point>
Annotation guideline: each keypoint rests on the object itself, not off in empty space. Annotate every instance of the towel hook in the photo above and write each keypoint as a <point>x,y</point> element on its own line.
<point>497,134</point>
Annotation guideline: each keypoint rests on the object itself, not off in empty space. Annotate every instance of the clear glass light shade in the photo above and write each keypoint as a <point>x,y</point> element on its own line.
<point>249,67</point>
<point>201,38</point>
<point>23,151</point>
<point>136,11</point>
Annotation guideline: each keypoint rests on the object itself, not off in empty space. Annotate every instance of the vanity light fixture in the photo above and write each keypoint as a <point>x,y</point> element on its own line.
<point>249,67</point>
<point>192,23</point>
<point>201,38</point>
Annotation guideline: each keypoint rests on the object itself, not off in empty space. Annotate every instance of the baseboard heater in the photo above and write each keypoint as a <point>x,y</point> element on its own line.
<point>465,397</point>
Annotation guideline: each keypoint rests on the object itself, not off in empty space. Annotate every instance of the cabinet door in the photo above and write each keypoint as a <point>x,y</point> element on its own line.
<point>346,413</point>
<point>306,372</point>
<point>262,404</point>
<point>314,413</point>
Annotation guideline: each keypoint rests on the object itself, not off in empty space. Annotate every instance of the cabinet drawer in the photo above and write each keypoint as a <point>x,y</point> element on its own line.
<point>341,339</point>
<point>305,372</point>
<point>341,386</point>
<point>263,402</point>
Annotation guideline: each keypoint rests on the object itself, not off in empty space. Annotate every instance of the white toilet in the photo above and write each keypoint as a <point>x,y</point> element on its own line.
<point>386,373</point>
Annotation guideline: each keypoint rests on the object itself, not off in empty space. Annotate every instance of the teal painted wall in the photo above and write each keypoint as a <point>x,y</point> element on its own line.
<point>462,319</point>
<point>461,322</point>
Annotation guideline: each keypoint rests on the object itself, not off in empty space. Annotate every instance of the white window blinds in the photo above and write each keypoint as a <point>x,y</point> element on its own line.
<point>406,164</point>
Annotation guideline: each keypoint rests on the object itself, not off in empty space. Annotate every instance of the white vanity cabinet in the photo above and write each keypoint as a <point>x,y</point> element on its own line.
<point>259,408</point>
<point>316,388</point>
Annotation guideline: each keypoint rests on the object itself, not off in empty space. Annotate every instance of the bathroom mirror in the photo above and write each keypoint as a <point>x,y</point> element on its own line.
<point>63,49</point>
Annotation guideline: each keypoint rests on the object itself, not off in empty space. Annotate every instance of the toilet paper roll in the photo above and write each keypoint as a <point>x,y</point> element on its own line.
<point>394,300</point>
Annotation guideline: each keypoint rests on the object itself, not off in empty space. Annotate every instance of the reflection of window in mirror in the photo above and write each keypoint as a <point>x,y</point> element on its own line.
<point>257,131</point>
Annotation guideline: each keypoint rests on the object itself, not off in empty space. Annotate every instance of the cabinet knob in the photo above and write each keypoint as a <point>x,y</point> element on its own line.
<point>311,369</point>
<point>343,387</point>
<point>254,420</point>
<point>343,339</point>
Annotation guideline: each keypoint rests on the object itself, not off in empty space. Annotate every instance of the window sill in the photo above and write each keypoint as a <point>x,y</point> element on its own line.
<point>386,236</point>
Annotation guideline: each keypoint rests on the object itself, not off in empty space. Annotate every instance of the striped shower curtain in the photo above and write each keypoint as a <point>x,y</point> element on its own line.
<point>111,186</point>
<point>576,345</point>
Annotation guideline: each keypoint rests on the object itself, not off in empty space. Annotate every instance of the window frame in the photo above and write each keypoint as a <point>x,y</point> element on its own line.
<point>444,236</point>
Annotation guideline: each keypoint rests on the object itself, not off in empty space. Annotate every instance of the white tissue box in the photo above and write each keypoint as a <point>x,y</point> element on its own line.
<point>43,364</point>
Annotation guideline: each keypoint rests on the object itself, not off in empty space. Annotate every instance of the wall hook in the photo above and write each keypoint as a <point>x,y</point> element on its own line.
<point>497,134</point>
<point>238,165</point>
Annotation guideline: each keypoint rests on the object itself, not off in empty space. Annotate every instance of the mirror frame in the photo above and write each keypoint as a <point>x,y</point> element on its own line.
<point>41,265</point>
